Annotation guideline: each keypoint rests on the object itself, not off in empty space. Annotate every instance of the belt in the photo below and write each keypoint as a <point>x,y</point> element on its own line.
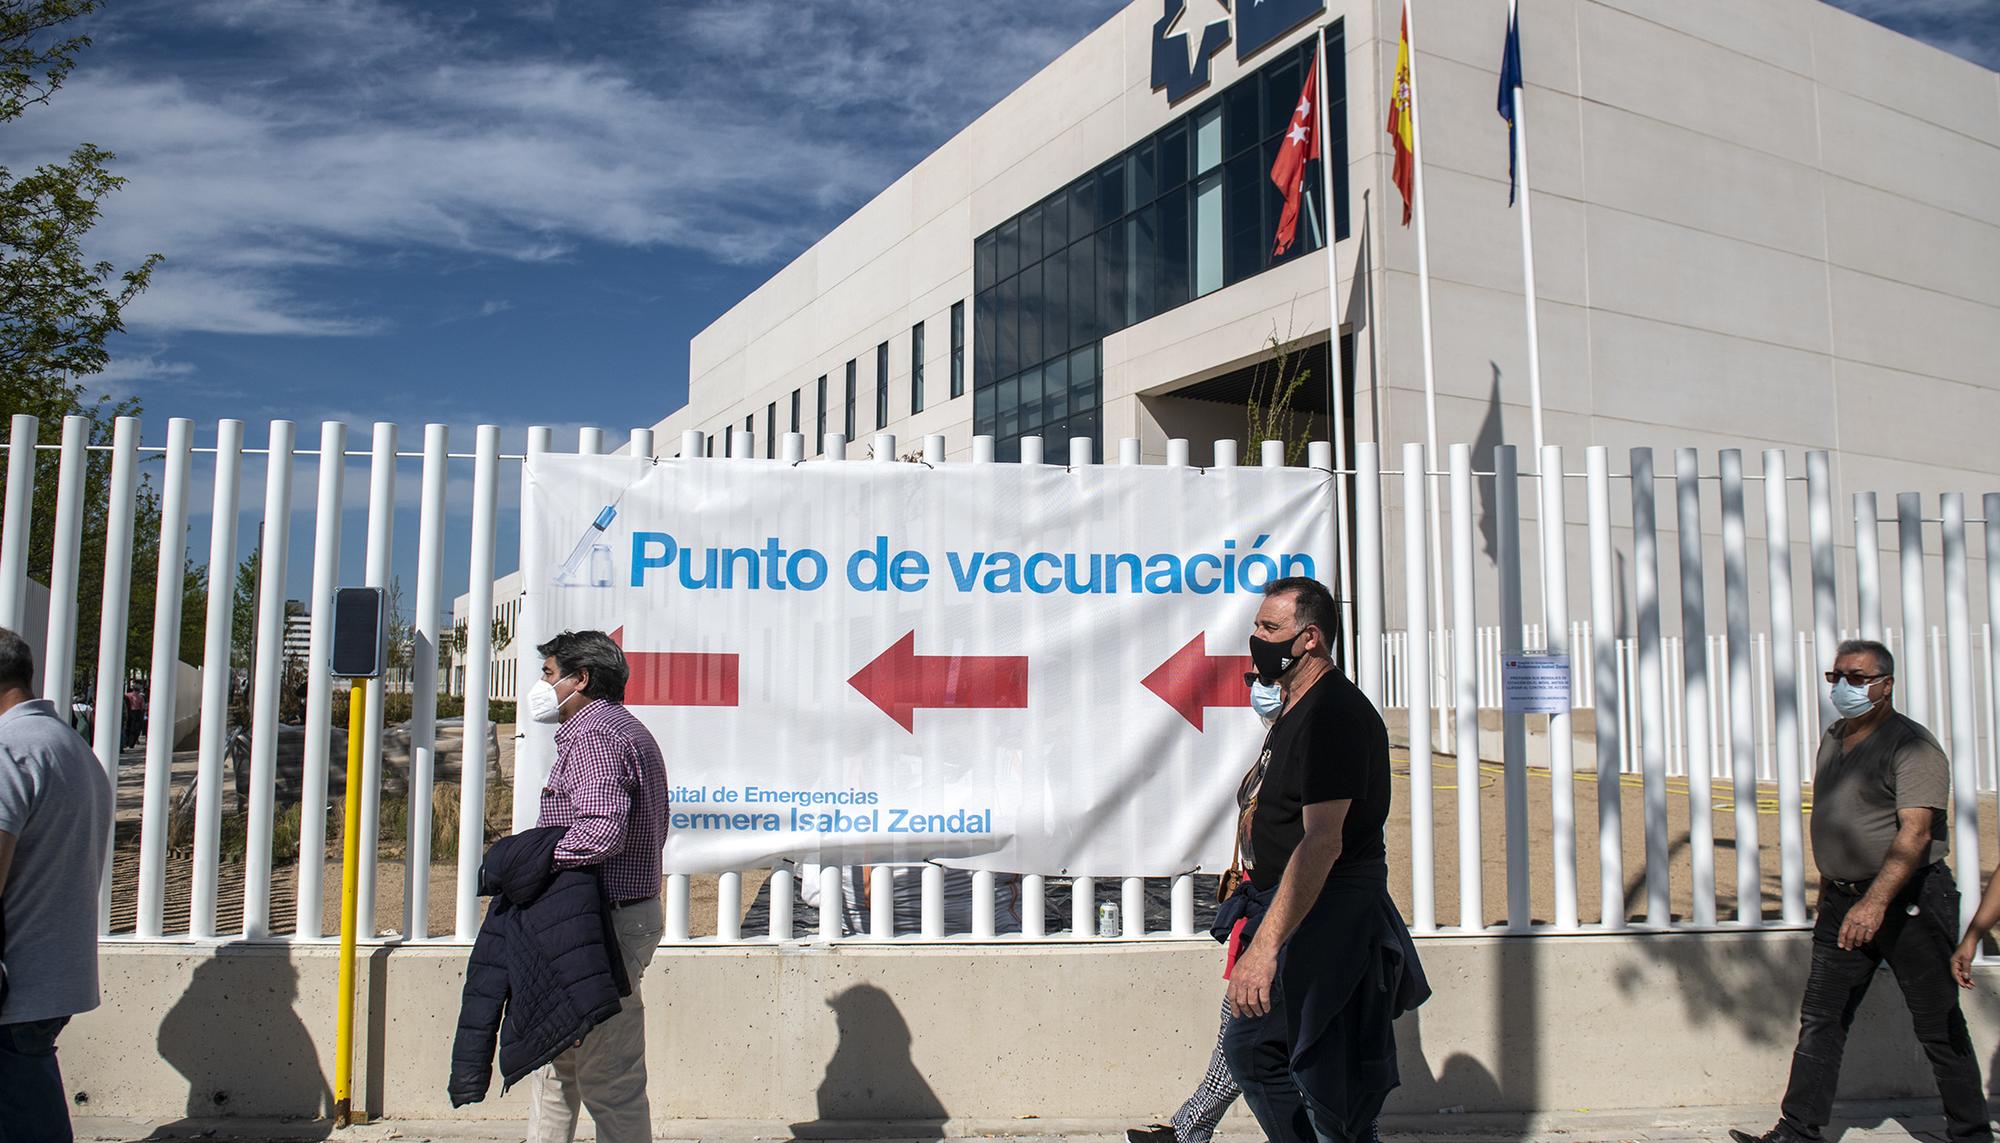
<point>631,901</point>
<point>1851,888</point>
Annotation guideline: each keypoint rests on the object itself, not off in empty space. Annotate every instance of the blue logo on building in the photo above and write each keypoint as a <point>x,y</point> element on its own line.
<point>1187,36</point>
<point>1190,33</point>
<point>1261,23</point>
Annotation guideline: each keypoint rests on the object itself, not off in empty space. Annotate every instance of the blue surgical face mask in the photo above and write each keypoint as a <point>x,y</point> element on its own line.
<point>1266,699</point>
<point>1851,701</point>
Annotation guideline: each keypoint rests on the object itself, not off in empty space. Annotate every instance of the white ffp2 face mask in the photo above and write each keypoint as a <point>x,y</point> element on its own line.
<point>543,703</point>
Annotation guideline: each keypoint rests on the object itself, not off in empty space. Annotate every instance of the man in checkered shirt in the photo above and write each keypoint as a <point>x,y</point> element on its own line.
<point>608,790</point>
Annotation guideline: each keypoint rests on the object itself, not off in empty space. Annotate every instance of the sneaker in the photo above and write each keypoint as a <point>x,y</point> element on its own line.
<point>1157,1133</point>
<point>1782,1133</point>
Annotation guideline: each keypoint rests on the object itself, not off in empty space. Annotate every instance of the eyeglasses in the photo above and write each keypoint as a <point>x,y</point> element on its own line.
<point>1855,677</point>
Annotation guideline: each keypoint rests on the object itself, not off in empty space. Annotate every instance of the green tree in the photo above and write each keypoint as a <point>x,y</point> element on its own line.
<point>1273,407</point>
<point>56,311</point>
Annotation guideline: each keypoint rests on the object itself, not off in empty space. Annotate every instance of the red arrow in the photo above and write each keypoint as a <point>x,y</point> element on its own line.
<point>900,681</point>
<point>1193,680</point>
<point>678,678</point>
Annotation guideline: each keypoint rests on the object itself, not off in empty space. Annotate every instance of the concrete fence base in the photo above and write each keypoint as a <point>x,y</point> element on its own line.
<point>824,1040</point>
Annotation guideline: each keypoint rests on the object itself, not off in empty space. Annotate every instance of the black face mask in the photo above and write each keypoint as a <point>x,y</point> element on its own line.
<point>1273,658</point>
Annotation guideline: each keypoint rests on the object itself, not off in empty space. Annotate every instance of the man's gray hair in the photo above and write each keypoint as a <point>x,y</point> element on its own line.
<point>1885,662</point>
<point>17,661</point>
<point>593,651</point>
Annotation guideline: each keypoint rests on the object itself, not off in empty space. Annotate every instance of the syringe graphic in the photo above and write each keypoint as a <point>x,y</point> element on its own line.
<point>578,556</point>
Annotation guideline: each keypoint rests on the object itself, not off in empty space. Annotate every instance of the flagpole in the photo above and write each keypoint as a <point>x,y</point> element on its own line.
<point>1336,372</point>
<point>1520,133</point>
<point>1424,320</point>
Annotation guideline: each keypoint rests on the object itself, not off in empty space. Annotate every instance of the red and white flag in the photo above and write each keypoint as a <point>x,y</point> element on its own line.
<point>1301,146</point>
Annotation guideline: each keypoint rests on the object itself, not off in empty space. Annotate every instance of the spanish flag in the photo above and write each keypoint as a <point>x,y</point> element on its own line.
<point>1403,124</point>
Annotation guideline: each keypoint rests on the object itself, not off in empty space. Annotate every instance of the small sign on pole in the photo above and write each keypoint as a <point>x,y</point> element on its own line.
<point>1535,684</point>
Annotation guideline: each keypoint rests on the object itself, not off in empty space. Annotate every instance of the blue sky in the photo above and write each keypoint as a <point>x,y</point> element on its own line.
<point>517,213</point>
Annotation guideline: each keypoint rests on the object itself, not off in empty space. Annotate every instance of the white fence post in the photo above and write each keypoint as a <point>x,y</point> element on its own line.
<point>1868,567</point>
<point>1610,696</point>
<point>1964,730</point>
<point>1913,688</point>
<point>1466,662</point>
<point>1695,684</point>
<point>59,667</point>
<point>1555,617</point>
<point>1416,609</point>
<point>17,529</point>
<point>478,677</point>
<point>272,562</point>
<point>1368,570</point>
<point>114,629</point>
<point>426,636</point>
<point>216,678</point>
<point>319,679</point>
<point>377,573</point>
<point>1785,735</point>
<point>1742,701</point>
<point>1652,687</point>
<point>1826,599</point>
<point>1514,729</point>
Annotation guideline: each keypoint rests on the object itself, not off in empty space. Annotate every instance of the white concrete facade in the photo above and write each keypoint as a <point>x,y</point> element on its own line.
<point>1759,223</point>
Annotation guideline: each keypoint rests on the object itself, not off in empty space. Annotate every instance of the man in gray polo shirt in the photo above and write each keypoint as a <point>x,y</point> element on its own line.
<point>55,817</point>
<point>1881,787</point>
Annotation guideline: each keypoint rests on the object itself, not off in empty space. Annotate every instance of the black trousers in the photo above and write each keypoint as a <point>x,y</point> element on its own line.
<point>32,1107</point>
<point>1918,949</point>
<point>1259,1051</point>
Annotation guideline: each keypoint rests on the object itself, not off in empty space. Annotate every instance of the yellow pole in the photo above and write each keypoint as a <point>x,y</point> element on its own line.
<point>350,865</point>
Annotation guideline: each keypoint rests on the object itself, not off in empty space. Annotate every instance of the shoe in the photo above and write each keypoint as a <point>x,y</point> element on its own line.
<point>1782,1133</point>
<point>1157,1133</point>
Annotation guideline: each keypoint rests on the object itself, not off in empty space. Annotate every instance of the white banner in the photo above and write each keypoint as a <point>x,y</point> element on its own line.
<point>1010,667</point>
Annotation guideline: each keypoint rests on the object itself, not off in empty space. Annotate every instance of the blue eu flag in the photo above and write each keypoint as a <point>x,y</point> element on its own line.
<point>1259,23</point>
<point>1510,80</point>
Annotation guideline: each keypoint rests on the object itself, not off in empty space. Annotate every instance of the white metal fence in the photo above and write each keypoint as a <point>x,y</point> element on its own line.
<point>1657,710</point>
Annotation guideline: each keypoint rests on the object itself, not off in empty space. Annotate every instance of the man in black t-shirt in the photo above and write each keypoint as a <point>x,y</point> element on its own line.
<point>1311,835</point>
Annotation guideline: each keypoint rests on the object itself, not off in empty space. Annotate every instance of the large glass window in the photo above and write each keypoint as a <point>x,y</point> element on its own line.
<point>795,410</point>
<point>848,424</point>
<point>881,386</point>
<point>1185,212</point>
<point>917,368</point>
<point>771,431</point>
<point>819,435</point>
<point>957,349</point>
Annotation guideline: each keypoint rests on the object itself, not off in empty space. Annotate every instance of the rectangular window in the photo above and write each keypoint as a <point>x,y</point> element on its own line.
<point>819,435</point>
<point>1174,251</point>
<point>1055,223</point>
<point>1010,248</point>
<point>1208,139</point>
<point>1083,325</point>
<point>881,386</point>
<point>1007,341</point>
<point>1031,315</point>
<point>1208,235</point>
<point>1055,304</point>
<point>749,437</point>
<point>986,371</point>
<point>957,349</point>
<point>849,422</point>
<point>795,410</point>
<point>771,431</point>
<point>917,368</point>
<point>1031,236</point>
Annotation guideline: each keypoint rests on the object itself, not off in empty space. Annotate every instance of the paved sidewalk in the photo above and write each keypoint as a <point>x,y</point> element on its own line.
<point>1860,1123</point>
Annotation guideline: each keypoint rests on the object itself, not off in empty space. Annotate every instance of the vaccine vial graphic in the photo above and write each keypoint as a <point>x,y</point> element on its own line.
<point>589,562</point>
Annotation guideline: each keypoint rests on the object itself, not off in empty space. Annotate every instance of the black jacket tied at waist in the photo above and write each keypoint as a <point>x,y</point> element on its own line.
<point>1348,972</point>
<point>547,956</point>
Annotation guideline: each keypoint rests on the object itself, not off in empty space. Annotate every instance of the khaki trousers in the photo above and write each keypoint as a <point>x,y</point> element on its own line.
<point>607,1071</point>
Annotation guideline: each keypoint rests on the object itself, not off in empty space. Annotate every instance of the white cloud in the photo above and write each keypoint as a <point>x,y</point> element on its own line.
<point>359,132</point>
<point>496,306</point>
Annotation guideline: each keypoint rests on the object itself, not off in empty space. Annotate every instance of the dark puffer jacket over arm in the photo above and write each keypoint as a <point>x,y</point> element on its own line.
<point>547,957</point>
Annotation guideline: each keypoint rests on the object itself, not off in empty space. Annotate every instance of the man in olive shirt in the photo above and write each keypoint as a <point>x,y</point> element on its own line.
<point>1880,790</point>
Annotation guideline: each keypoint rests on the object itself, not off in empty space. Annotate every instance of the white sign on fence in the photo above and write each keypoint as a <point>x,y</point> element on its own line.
<point>1535,684</point>
<point>1005,667</point>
